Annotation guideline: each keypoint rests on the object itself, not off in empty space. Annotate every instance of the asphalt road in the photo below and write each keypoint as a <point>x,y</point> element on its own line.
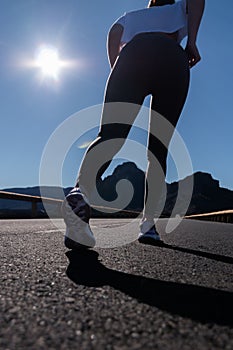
<point>177,296</point>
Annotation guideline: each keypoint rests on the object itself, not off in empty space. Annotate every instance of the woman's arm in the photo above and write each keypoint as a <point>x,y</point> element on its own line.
<point>195,10</point>
<point>114,41</point>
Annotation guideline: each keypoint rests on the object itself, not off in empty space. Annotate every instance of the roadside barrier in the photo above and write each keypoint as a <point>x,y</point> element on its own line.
<point>33,199</point>
<point>218,216</point>
<point>38,199</point>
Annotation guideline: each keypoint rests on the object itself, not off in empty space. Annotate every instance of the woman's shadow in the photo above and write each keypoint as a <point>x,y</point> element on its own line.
<point>202,304</point>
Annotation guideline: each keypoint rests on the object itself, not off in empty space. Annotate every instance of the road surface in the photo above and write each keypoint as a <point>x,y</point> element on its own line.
<point>177,296</point>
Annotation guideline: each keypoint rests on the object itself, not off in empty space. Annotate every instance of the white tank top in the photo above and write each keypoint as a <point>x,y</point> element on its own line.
<point>166,18</point>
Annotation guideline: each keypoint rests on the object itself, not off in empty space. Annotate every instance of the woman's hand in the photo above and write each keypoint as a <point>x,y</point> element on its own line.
<point>193,54</point>
<point>195,9</point>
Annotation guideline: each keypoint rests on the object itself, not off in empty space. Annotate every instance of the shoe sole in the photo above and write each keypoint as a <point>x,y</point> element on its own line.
<point>150,241</point>
<point>70,244</point>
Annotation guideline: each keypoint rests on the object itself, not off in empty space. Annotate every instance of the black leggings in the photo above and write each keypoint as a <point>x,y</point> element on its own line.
<point>151,64</point>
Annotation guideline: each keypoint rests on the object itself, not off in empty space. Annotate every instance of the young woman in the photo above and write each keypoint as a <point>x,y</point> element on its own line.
<point>146,59</point>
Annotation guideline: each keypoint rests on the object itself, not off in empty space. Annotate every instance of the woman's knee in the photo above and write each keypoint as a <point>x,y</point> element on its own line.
<point>113,131</point>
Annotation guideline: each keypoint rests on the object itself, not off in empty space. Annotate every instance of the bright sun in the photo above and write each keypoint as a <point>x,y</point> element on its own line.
<point>49,62</point>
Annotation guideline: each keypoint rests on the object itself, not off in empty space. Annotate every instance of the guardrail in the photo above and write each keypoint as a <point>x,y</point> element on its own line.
<point>37,199</point>
<point>27,198</point>
<point>218,216</point>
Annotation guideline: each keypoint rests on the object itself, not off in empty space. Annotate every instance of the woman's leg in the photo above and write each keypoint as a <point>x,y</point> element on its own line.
<point>123,99</point>
<point>166,106</point>
<point>109,141</point>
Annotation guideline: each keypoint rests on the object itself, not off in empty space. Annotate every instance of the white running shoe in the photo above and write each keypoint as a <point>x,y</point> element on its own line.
<point>76,213</point>
<point>148,233</point>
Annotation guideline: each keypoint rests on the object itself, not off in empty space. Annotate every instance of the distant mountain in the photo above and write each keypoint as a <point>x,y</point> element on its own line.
<point>126,171</point>
<point>207,195</point>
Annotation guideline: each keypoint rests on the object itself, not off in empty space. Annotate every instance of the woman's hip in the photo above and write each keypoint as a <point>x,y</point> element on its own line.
<point>153,50</point>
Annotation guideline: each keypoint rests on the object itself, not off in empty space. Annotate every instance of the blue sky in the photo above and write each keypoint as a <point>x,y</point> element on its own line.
<point>32,108</point>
